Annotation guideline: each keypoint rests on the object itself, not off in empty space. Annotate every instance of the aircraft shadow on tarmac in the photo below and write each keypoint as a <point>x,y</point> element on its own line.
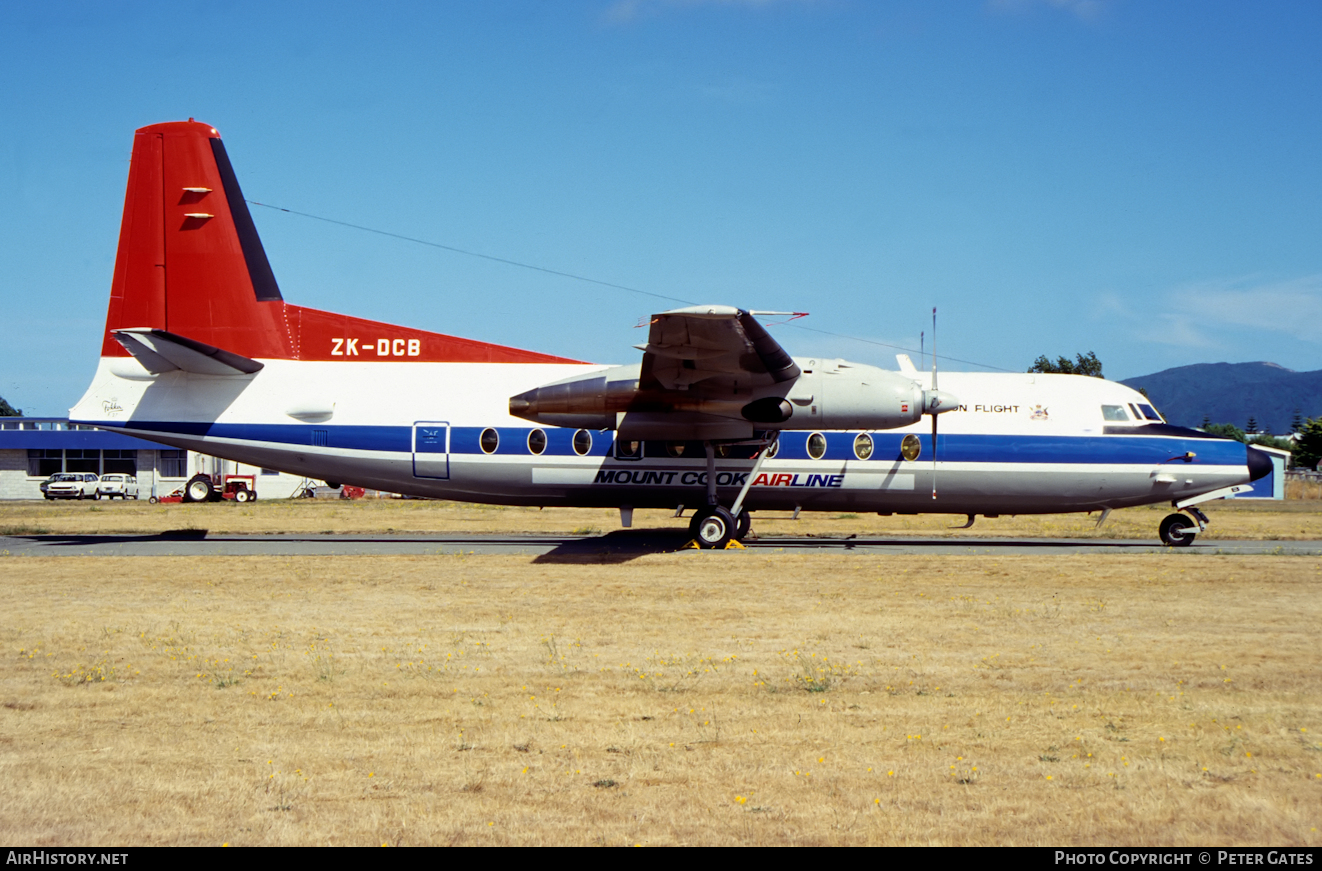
<point>619,546</point>
<point>115,538</point>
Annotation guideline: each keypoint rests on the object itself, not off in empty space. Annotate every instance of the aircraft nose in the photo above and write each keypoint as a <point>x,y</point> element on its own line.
<point>1260,464</point>
<point>939,401</point>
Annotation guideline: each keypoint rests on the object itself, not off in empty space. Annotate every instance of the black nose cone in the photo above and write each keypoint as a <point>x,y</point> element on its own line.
<point>1260,464</point>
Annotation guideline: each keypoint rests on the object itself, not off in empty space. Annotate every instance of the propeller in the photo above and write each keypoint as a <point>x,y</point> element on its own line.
<point>935,402</point>
<point>937,394</point>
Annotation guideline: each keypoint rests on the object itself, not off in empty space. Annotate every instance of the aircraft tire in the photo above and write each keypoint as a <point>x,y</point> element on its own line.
<point>198,489</point>
<point>712,527</point>
<point>152,499</point>
<point>743,523</point>
<point>1175,531</point>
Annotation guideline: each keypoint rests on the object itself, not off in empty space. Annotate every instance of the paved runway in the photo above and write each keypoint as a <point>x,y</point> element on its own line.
<point>620,545</point>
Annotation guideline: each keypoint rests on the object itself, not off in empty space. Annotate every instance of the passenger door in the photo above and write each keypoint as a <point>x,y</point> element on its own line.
<point>431,449</point>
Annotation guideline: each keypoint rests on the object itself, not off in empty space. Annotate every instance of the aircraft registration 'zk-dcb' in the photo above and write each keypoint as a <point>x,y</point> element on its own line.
<point>202,352</point>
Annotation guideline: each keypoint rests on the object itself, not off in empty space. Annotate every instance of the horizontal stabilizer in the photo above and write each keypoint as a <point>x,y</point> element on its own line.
<point>159,351</point>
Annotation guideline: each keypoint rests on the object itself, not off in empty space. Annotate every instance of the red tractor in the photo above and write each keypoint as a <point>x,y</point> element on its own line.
<point>213,488</point>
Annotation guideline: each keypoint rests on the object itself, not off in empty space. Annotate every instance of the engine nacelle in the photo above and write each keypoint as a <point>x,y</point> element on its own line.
<point>835,394</point>
<point>830,394</point>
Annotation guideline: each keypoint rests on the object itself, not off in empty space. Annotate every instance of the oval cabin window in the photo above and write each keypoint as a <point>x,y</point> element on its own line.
<point>582,442</point>
<point>537,442</point>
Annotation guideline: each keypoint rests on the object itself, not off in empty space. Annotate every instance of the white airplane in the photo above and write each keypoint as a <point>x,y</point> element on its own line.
<point>202,352</point>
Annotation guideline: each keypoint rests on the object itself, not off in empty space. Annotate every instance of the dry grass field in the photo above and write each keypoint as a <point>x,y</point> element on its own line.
<point>690,698</point>
<point>1231,520</point>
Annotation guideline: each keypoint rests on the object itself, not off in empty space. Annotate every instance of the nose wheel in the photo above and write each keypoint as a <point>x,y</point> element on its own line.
<point>1177,530</point>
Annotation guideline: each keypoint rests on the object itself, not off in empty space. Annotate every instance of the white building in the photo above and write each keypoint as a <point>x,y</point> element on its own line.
<point>34,448</point>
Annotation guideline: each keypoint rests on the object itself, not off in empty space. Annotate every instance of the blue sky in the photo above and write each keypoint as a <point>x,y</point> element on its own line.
<point>1140,179</point>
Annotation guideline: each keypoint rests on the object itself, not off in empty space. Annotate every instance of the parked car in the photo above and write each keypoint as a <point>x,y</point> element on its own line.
<point>74,485</point>
<point>123,486</point>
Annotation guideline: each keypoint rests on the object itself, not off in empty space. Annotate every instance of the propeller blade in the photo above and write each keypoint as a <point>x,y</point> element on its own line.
<point>934,417</point>
<point>934,348</point>
<point>934,391</point>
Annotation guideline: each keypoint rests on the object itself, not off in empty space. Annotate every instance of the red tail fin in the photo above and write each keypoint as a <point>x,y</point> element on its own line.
<point>190,263</point>
<point>189,260</point>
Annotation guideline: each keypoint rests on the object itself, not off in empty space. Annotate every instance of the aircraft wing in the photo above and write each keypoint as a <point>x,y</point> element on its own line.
<point>718,346</point>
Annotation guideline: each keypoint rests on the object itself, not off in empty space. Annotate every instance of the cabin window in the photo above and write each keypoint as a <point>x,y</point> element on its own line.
<point>490,440</point>
<point>675,449</point>
<point>911,447</point>
<point>536,442</point>
<point>1149,412</point>
<point>773,449</point>
<point>1114,412</point>
<point>816,446</point>
<point>628,449</point>
<point>582,442</point>
<point>863,446</point>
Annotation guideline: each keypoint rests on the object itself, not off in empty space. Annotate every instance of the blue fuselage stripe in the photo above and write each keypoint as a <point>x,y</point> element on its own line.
<point>953,447</point>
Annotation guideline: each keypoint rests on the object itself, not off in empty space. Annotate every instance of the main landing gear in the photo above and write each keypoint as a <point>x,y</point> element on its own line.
<point>714,526</point>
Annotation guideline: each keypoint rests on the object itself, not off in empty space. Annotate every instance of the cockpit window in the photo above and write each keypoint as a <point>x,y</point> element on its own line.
<point>1149,412</point>
<point>1114,412</point>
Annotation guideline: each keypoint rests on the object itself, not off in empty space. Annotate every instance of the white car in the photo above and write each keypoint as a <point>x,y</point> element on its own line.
<point>123,486</point>
<point>74,485</point>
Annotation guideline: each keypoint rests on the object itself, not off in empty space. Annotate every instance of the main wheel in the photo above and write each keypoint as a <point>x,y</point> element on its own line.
<point>712,527</point>
<point>152,499</point>
<point>742,524</point>
<point>242,495</point>
<point>1175,531</point>
<point>198,489</point>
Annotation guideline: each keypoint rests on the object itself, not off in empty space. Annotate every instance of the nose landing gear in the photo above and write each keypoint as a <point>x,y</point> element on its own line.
<point>1178,531</point>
